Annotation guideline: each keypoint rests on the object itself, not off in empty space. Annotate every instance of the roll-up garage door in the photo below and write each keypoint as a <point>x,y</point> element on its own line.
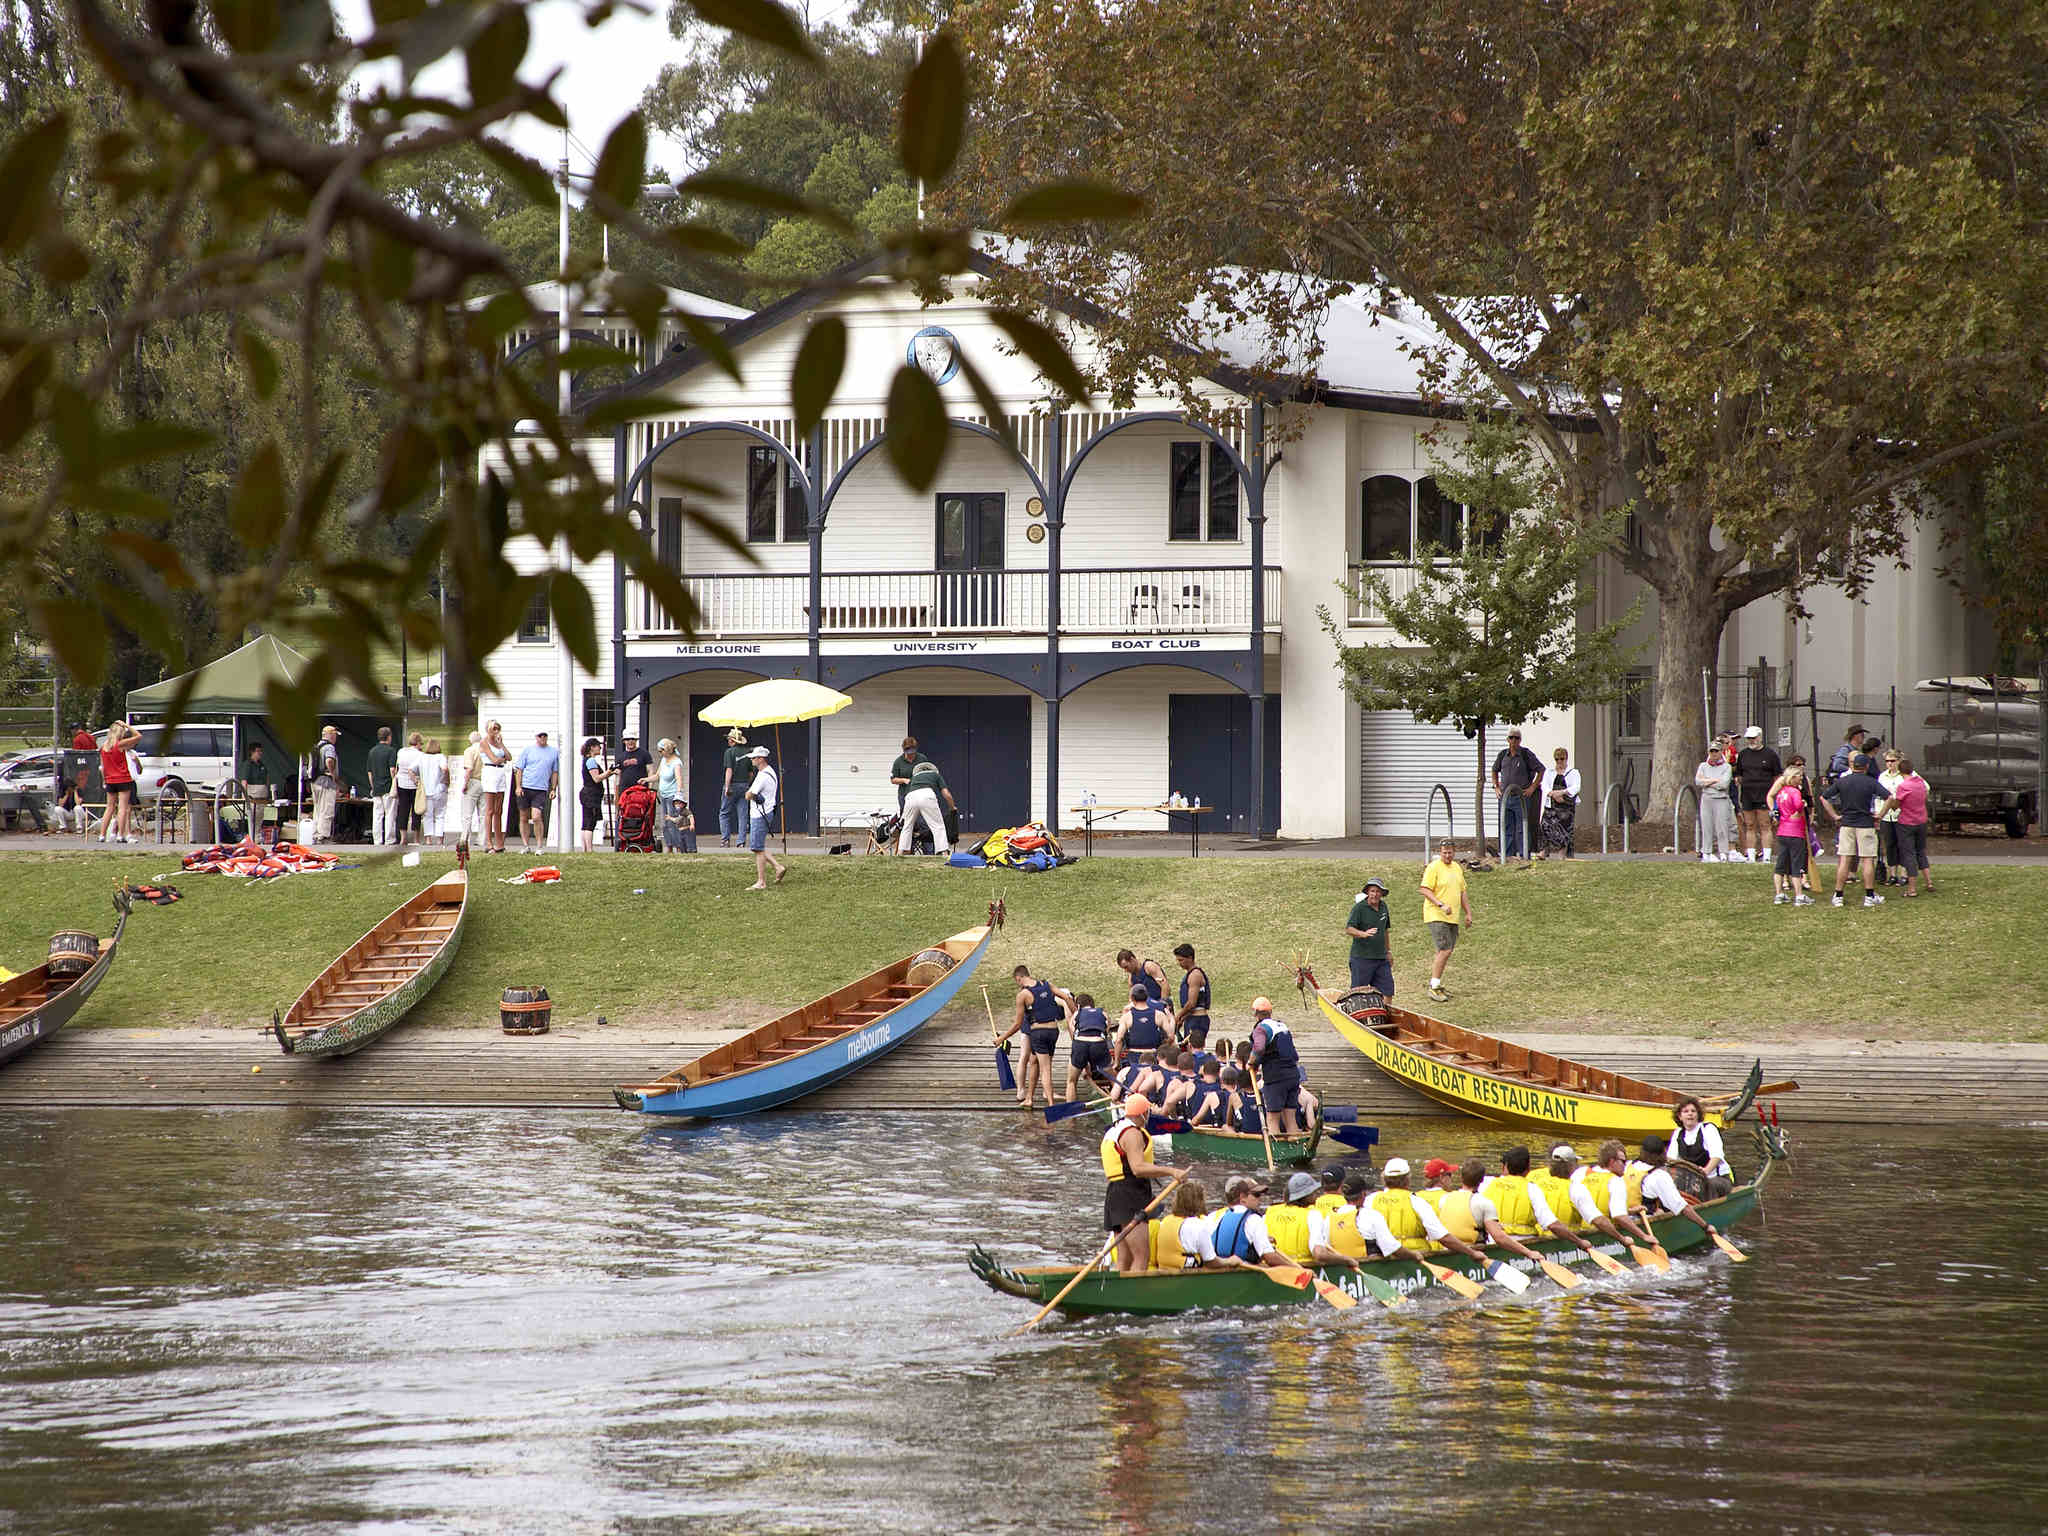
<point>1400,758</point>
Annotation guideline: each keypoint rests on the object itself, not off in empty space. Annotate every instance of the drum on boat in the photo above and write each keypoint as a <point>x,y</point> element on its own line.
<point>73,952</point>
<point>927,966</point>
<point>524,1010</point>
<point>1368,1005</point>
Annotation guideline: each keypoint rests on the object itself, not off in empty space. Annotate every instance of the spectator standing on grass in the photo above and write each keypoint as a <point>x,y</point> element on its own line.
<point>1367,926</point>
<point>1444,902</point>
<point>921,804</point>
<point>405,779</point>
<point>1909,798</point>
<point>763,791</point>
<point>590,788</point>
<point>1560,804</point>
<point>668,779</point>
<point>733,818</point>
<point>1888,861</point>
<point>433,793</point>
<point>633,763</point>
<point>1756,769</point>
<point>472,788</point>
<point>1517,779</point>
<point>1852,743</point>
<point>1861,798</point>
<point>497,761</point>
<point>119,780</point>
<point>1874,749</point>
<point>1717,811</point>
<point>539,769</point>
<point>1789,811</point>
<point>326,783</point>
<point>899,771</point>
<point>381,764</point>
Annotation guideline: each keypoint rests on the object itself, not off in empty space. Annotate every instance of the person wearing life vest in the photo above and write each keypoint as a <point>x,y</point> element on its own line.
<point>1299,1230</point>
<point>1239,1233</point>
<point>1143,973</point>
<point>1471,1216</point>
<point>1412,1219</point>
<point>1332,1194</point>
<point>1191,1018</point>
<point>1521,1206</point>
<point>1278,1066</point>
<point>1141,1075</point>
<point>1660,1195</point>
<point>1040,1009</point>
<point>1128,1167</point>
<point>1698,1143</point>
<point>1569,1203</point>
<point>1612,1193</point>
<point>1088,1054</point>
<point>1185,1239</point>
<point>1180,1083</point>
<point>1439,1178</point>
<point>1143,1025</point>
<point>1241,1111</point>
<point>1357,1225</point>
<point>1208,1104</point>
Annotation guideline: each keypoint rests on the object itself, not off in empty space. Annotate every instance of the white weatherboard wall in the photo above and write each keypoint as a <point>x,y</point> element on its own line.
<point>862,740</point>
<point>1401,758</point>
<point>1318,728</point>
<point>1113,741</point>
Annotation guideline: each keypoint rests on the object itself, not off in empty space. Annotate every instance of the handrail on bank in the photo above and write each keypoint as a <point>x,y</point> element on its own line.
<point>1428,814</point>
<point>1614,798</point>
<point>1699,829</point>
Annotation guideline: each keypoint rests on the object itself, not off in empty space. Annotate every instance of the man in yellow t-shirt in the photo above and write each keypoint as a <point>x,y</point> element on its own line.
<point>1443,903</point>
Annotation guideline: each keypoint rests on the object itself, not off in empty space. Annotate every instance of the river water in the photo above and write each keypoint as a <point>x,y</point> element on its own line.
<point>286,1321</point>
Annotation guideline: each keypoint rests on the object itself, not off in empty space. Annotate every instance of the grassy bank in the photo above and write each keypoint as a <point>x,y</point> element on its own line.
<point>1615,947</point>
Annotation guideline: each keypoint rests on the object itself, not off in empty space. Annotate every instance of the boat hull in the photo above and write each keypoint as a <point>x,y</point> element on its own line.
<point>783,1082</point>
<point>1167,1293</point>
<point>1474,1092</point>
<point>58,1007</point>
<point>377,1018</point>
<point>1249,1151</point>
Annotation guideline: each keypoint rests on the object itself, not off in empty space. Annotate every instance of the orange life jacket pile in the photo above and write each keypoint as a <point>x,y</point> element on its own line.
<point>540,874</point>
<point>251,862</point>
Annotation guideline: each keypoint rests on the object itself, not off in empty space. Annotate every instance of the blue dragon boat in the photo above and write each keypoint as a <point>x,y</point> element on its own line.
<point>819,1043</point>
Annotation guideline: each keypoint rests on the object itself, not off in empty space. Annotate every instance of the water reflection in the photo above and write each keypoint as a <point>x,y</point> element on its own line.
<point>295,1320</point>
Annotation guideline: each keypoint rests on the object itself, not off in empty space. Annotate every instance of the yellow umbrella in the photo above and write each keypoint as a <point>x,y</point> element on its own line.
<point>773,702</point>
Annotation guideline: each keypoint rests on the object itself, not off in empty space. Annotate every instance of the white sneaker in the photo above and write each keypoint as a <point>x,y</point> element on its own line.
<point>1780,899</point>
<point>1873,901</point>
<point>1706,858</point>
<point>1838,898</point>
<point>1731,858</point>
<point>1802,901</point>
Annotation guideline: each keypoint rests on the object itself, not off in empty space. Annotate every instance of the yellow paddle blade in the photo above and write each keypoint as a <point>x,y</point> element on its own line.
<point>1727,1247</point>
<point>1561,1275</point>
<point>1464,1285</point>
<point>1650,1258</point>
<point>1609,1263</point>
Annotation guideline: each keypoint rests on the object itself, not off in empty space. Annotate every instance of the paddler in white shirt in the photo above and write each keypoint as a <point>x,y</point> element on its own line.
<point>1472,1217</point>
<point>1606,1188</point>
<point>1660,1194</point>
<point>1520,1205</point>
<point>1407,1217</point>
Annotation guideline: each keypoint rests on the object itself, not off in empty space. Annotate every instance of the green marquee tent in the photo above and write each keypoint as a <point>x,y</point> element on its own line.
<point>234,685</point>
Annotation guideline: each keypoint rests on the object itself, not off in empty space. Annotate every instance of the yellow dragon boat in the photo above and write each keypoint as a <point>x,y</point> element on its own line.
<point>1496,1080</point>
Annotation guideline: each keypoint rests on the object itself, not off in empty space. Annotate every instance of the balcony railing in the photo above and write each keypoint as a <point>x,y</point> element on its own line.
<point>1135,600</point>
<point>1359,608</point>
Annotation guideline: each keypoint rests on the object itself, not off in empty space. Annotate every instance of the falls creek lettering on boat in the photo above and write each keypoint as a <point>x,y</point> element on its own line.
<point>1465,1085</point>
<point>867,1042</point>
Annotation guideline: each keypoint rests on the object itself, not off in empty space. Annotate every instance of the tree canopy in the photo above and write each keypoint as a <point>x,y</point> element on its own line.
<point>1762,272</point>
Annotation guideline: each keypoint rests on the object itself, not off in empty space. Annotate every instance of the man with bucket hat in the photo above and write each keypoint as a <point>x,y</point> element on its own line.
<point>1367,926</point>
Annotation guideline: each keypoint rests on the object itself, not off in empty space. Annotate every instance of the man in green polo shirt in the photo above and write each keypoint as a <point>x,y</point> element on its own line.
<point>921,803</point>
<point>1367,925</point>
<point>899,771</point>
<point>382,761</point>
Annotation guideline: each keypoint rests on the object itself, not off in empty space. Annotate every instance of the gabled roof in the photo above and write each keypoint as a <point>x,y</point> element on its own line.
<point>545,296</point>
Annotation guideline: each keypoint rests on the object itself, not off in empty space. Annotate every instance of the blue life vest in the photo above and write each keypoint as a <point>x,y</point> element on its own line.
<point>1201,998</point>
<point>1231,1241</point>
<point>1146,1032</point>
<point>1204,1093</point>
<point>1091,1024</point>
<point>1128,1077</point>
<point>1248,1117</point>
<point>1280,1051</point>
<point>1202,1059</point>
<point>1045,1008</point>
<point>1154,993</point>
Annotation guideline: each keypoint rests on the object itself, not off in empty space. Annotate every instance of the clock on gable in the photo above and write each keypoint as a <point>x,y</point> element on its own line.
<point>936,351</point>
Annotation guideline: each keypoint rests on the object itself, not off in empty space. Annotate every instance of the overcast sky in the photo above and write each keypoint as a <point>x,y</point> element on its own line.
<point>604,71</point>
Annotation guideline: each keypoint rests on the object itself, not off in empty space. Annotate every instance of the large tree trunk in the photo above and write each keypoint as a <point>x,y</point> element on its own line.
<point>1690,618</point>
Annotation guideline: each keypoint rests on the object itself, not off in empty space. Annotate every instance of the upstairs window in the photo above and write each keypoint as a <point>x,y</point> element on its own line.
<point>1438,519</point>
<point>1386,505</point>
<point>1201,494</point>
<point>775,499</point>
<point>668,532</point>
<point>535,628</point>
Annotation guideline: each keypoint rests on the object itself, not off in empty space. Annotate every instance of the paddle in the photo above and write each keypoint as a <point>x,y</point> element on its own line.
<point>1360,1138</point>
<point>1727,1247</point>
<point>1006,1079</point>
<point>1335,1295</point>
<point>1464,1285</point>
<point>1506,1276</point>
<point>1260,1094</point>
<point>1564,1277</point>
<point>1055,1113</point>
<point>1608,1262</point>
<point>1114,1238</point>
<point>1764,1091</point>
<point>1649,1258</point>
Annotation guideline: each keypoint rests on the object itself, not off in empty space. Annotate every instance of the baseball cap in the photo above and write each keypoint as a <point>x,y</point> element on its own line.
<point>1239,1183</point>
<point>630,736</point>
<point>1262,1005</point>
<point>1562,1153</point>
<point>1333,1174</point>
<point>1395,1168</point>
<point>1301,1184</point>
<point>1436,1168</point>
<point>1754,730</point>
<point>1137,1104</point>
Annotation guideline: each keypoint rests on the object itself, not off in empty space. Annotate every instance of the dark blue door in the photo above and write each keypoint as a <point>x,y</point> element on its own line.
<point>707,767</point>
<point>1209,756</point>
<point>983,747</point>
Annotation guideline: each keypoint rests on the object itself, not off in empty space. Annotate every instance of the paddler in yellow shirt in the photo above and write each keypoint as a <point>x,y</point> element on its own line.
<point>1299,1230</point>
<point>1524,1202</point>
<point>1472,1217</point>
<point>1600,1194</point>
<point>1332,1195</point>
<point>1356,1228</point>
<point>1412,1219</point>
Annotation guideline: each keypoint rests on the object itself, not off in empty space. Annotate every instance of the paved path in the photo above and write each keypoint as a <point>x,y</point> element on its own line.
<point>1842,1080</point>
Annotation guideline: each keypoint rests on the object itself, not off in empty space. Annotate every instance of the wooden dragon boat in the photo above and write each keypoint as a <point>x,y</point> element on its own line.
<point>1511,1084</point>
<point>821,1042</point>
<point>36,1004</point>
<point>381,977</point>
<point>1165,1292</point>
<point>1207,1144</point>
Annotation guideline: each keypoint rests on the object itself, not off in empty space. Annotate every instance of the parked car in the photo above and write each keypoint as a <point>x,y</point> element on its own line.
<point>24,774</point>
<point>431,685</point>
<point>194,760</point>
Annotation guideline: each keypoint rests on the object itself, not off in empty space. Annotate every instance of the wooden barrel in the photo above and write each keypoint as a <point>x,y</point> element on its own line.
<point>72,952</point>
<point>928,965</point>
<point>524,1010</point>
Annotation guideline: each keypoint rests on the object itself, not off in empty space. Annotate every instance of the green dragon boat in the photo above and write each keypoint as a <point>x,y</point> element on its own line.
<point>1218,1145</point>
<point>1166,1293</point>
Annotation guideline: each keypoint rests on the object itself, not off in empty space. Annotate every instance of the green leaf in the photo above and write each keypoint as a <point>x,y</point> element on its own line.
<point>642,300</point>
<point>998,418</point>
<point>622,163</point>
<point>434,33</point>
<point>62,259</point>
<point>117,500</point>
<point>250,26</point>
<point>295,711</point>
<point>695,239</point>
<point>748,193</point>
<point>258,361</point>
<point>916,436</point>
<point>523,172</point>
<point>500,316</point>
<point>315,497</point>
<point>707,339</point>
<point>609,413</point>
<point>934,111</point>
<point>575,619</point>
<point>1046,351</point>
<point>76,632</point>
<point>148,442</point>
<point>762,20</point>
<point>256,511</point>
<point>25,172</point>
<point>815,375</point>
<point>25,377</point>
<point>495,54</point>
<point>73,431</point>
<point>408,468</point>
<point>1072,202</point>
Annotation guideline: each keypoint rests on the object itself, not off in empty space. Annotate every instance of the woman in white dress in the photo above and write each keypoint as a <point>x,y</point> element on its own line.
<point>433,793</point>
<point>497,760</point>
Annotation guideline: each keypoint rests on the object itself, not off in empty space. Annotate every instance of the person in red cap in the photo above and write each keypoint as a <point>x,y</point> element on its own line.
<point>1127,1165</point>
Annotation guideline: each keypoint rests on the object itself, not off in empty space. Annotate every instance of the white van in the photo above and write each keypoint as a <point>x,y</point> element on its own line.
<point>194,759</point>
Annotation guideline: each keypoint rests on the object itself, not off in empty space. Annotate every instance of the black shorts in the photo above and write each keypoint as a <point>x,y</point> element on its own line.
<point>534,799</point>
<point>1276,1096</point>
<point>1791,856</point>
<point>1043,1041</point>
<point>593,814</point>
<point>1125,1202</point>
<point>1194,1029</point>
<point>1091,1052</point>
<point>1760,801</point>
